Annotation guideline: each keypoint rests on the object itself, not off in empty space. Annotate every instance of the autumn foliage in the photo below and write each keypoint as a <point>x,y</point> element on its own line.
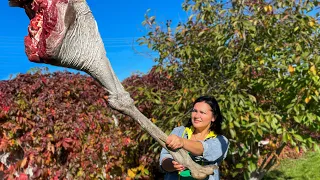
<point>60,126</point>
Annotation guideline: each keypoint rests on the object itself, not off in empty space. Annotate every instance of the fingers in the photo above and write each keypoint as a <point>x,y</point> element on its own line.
<point>174,142</point>
<point>178,166</point>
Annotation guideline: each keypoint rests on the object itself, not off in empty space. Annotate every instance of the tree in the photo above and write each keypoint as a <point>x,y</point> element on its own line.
<point>261,60</point>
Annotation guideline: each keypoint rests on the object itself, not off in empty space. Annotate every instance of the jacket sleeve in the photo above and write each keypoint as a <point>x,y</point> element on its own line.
<point>164,153</point>
<point>215,149</point>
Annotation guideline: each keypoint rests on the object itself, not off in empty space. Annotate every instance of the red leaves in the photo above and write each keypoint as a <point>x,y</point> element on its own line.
<point>5,109</point>
<point>4,142</point>
<point>66,143</point>
<point>62,123</point>
<point>154,79</point>
<point>10,170</point>
<point>44,80</point>
<point>106,148</point>
<point>2,166</point>
<point>22,176</point>
<point>126,141</point>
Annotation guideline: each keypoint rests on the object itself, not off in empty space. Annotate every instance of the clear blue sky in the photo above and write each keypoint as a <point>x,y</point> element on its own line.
<point>119,24</point>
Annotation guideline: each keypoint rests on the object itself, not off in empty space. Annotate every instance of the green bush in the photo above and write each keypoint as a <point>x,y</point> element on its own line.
<point>260,59</point>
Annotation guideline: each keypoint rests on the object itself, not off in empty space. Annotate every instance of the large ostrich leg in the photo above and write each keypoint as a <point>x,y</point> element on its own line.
<point>64,33</point>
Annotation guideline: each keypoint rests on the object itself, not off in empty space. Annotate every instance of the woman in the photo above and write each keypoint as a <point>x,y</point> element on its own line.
<point>201,137</point>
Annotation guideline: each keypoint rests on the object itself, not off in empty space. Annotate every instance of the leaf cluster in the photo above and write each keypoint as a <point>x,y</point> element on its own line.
<point>260,59</point>
<point>59,126</point>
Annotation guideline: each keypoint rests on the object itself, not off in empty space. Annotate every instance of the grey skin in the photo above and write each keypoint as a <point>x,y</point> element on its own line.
<point>79,46</point>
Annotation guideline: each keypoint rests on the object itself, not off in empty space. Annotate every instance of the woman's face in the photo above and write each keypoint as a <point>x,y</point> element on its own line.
<point>202,116</point>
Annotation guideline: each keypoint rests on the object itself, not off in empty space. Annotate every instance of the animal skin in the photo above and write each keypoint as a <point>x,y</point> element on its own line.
<point>64,33</point>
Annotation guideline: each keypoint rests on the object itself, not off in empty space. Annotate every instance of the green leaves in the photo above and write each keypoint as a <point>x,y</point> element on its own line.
<point>261,62</point>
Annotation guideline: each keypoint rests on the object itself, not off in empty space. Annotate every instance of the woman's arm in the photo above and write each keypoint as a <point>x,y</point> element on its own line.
<point>176,142</point>
<point>211,149</point>
<point>194,147</point>
<point>166,160</point>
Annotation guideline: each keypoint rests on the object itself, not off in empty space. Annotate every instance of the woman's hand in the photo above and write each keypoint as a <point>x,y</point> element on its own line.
<point>178,167</point>
<point>174,142</point>
<point>171,165</point>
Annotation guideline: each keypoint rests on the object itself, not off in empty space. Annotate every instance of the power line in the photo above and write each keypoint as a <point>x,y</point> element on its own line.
<point>107,43</point>
<point>104,38</point>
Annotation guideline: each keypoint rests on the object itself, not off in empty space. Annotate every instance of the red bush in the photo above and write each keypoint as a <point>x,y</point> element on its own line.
<point>62,127</point>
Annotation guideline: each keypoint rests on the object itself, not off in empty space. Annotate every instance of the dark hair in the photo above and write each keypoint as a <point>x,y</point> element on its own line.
<point>212,102</point>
